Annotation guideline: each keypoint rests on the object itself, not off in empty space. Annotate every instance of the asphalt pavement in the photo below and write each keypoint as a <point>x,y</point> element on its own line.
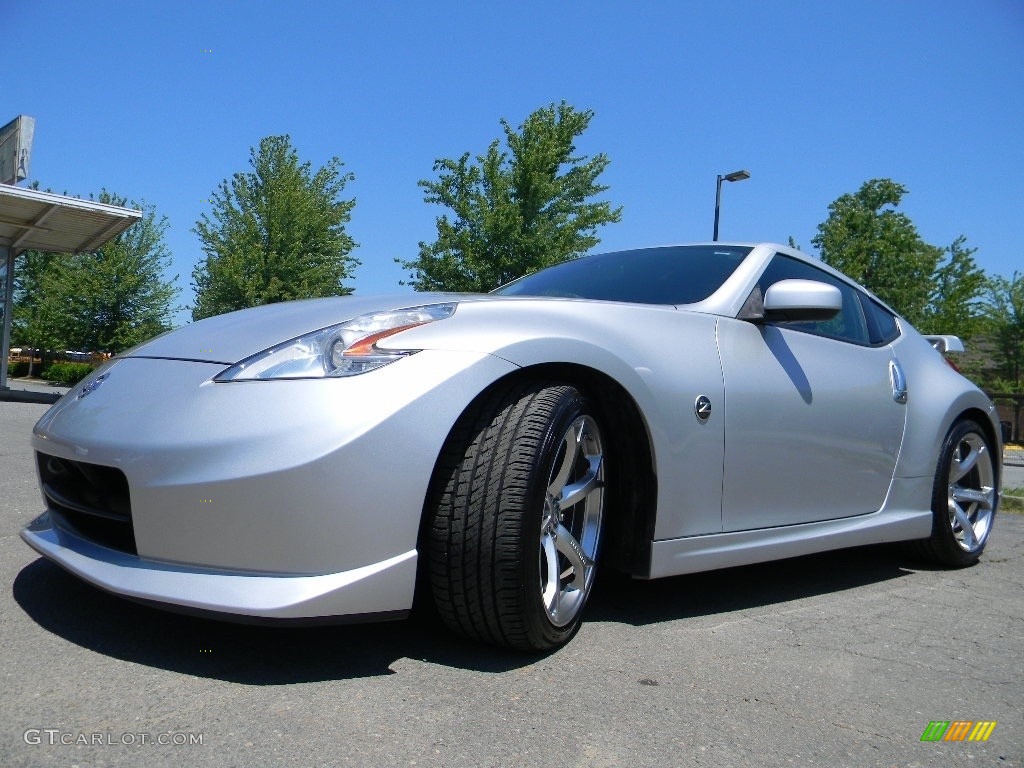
<point>840,659</point>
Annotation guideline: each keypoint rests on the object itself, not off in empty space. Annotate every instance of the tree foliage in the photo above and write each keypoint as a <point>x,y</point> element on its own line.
<point>514,210</point>
<point>957,287</point>
<point>868,239</point>
<point>32,326</point>
<point>1004,312</point>
<point>275,233</point>
<point>99,301</point>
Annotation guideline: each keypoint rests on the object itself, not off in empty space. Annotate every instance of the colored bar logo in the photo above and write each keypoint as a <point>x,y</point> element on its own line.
<point>958,730</point>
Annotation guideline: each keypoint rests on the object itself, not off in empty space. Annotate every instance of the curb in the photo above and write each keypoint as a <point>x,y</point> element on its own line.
<point>25,396</point>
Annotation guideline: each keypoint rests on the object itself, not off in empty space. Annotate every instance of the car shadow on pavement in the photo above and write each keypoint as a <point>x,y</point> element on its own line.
<point>280,655</point>
<point>242,653</point>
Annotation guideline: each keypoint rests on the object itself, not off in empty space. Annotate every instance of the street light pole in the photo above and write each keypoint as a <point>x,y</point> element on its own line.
<point>734,176</point>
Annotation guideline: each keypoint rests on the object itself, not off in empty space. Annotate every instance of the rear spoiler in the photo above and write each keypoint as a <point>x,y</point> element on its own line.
<point>946,344</point>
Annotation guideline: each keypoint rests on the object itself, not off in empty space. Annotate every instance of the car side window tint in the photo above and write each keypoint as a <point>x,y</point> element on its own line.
<point>882,325</point>
<point>849,324</point>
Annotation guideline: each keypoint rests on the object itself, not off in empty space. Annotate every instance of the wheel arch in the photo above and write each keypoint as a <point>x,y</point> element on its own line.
<point>630,515</point>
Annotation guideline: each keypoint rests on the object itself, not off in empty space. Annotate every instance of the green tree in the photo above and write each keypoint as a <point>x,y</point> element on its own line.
<point>1004,311</point>
<point>115,297</point>
<point>514,211</point>
<point>957,287</point>
<point>275,233</point>
<point>868,239</point>
<point>32,324</point>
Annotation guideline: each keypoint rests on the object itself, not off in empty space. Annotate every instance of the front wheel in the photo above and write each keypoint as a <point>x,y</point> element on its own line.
<point>964,497</point>
<point>516,509</point>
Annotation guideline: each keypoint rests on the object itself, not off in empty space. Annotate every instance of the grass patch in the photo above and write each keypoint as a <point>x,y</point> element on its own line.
<point>1012,500</point>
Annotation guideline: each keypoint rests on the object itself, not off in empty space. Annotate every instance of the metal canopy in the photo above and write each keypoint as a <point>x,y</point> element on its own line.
<point>41,221</point>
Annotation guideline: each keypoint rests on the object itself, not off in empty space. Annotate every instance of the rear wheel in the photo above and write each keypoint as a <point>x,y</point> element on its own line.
<point>963,498</point>
<point>517,505</point>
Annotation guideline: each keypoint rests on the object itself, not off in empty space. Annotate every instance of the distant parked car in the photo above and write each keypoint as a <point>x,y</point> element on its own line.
<point>659,411</point>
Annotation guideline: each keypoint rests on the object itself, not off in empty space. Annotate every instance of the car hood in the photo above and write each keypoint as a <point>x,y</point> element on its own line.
<point>234,336</point>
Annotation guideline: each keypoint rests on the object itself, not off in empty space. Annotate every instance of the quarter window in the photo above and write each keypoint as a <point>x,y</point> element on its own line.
<point>882,326</point>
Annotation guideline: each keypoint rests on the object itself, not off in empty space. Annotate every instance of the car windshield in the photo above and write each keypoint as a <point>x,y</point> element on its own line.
<point>671,275</point>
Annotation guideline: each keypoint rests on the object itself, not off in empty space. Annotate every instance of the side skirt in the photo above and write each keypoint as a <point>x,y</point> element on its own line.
<point>897,521</point>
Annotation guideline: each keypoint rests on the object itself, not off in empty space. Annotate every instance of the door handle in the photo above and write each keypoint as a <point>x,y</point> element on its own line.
<point>898,379</point>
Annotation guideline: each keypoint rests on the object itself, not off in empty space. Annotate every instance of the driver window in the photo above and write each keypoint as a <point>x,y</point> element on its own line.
<point>848,325</point>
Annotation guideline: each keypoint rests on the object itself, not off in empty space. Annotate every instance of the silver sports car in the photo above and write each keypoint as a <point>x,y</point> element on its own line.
<point>657,411</point>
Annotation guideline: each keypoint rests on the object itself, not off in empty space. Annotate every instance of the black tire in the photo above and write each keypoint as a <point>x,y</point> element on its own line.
<point>964,497</point>
<point>496,517</point>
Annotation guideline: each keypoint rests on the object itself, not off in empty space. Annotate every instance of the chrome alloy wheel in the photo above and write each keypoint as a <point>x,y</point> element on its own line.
<point>571,521</point>
<point>971,497</point>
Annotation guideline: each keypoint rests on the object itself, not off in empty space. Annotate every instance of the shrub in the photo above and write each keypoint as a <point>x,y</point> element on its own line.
<point>67,373</point>
<point>17,369</point>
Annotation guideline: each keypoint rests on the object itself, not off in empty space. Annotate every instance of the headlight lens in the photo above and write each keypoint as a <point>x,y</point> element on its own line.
<point>345,349</point>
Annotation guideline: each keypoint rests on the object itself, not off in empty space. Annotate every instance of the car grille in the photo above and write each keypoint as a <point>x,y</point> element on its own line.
<point>90,499</point>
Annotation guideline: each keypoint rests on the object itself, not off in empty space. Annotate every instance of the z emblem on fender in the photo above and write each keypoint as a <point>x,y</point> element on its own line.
<point>702,408</point>
<point>92,386</point>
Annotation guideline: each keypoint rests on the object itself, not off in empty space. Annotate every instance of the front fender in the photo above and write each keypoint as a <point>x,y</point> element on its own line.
<point>664,358</point>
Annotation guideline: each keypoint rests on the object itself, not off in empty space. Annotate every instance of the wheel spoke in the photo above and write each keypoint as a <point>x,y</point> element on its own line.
<point>552,588</point>
<point>966,526</point>
<point>574,493</point>
<point>963,464</point>
<point>982,496</point>
<point>566,544</point>
<point>571,443</point>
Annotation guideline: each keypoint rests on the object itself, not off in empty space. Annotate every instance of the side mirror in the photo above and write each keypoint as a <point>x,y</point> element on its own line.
<point>801,301</point>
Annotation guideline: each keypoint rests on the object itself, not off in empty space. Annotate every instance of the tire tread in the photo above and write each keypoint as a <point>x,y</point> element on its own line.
<point>476,537</point>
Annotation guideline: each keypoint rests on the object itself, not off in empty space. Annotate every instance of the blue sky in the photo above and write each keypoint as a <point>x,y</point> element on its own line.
<point>160,101</point>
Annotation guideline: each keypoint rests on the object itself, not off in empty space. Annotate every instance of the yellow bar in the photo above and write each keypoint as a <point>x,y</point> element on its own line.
<point>982,730</point>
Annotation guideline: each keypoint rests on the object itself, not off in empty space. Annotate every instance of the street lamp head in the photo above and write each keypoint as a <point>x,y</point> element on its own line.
<point>737,176</point>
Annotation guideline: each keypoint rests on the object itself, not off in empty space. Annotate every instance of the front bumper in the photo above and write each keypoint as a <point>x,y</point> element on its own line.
<point>384,589</point>
<point>277,499</point>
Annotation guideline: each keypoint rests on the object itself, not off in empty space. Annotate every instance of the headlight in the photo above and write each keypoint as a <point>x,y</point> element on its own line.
<point>345,349</point>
